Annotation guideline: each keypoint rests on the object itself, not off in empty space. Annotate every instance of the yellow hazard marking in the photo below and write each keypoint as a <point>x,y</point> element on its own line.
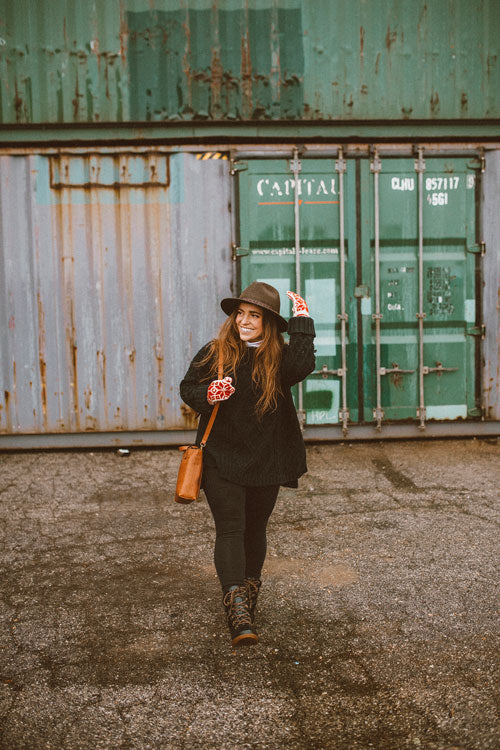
<point>211,155</point>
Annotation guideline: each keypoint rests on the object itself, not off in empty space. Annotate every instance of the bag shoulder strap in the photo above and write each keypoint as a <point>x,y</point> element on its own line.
<point>216,407</point>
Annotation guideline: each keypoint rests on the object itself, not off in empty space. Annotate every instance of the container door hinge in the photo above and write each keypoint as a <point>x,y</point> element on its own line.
<point>344,418</point>
<point>361,291</point>
<point>475,412</point>
<point>477,331</point>
<point>238,252</point>
<point>478,162</point>
<point>237,166</point>
<point>378,414</point>
<point>478,248</point>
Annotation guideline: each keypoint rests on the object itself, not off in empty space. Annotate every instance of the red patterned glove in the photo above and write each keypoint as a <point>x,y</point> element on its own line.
<point>300,308</point>
<point>219,390</point>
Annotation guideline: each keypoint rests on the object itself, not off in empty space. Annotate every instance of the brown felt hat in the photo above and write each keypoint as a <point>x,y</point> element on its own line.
<point>261,294</point>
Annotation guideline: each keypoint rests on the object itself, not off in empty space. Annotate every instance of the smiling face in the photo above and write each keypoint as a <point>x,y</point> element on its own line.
<point>249,322</point>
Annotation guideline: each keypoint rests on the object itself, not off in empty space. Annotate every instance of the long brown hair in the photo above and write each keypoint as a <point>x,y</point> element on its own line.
<point>267,361</point>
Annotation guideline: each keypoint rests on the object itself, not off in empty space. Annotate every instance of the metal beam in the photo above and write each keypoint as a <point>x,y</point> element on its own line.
<point>169,438</point>
<point>280,131</point>
<point>278,149</point>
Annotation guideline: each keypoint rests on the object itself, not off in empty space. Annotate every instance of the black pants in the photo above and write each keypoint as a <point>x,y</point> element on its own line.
<point>241,515</point>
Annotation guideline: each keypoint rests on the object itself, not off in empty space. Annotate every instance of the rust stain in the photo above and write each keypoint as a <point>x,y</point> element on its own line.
<point>106,79</point>
<point>421,20</point>
<point>124,35</point>
<point>186,68</point>
<point>88,398</point>
<point>101,359</point>
<point>42,364</point>
<point>43,382</point>
<point>246,75</point>
<point>189,416</point>
<point>7,410</point>
<point>390,38</point>
<point>434,102</point>
<point>76,100</point>
<point>464,102</point>
<point>217,72</point>
<point>159,359</point>
<point>65,218</point>
<point>396,377</point>
<point>362,44</point>
<point>490,64</point>
<point>74,365</point>
<point>377,62</point>
<point>18,104</point>
<point>8,420</point>
<point>101,363</point>
<point>90,424</point>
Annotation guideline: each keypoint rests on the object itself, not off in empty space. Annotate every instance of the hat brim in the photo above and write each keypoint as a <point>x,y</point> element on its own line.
<point>230,303</point>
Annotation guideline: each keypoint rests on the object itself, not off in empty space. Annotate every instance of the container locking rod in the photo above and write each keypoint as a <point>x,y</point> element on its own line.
<point>420,169</point>
<point>439,369</point>
<point>375,168</point>
<point>340,166</point>
<point>296,167</point>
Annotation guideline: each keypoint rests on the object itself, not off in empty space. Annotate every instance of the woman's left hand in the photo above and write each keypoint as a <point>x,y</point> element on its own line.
<point>300,308</point>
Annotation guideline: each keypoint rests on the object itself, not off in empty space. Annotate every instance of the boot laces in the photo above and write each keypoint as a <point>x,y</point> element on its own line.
<point>253,588</point>
<point>237,607</point>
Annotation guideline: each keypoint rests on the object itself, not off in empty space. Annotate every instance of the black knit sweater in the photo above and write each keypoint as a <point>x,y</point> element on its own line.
<point>246,450</point>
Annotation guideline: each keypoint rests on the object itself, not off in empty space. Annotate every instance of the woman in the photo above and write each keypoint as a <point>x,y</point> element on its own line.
<point>255,444</point>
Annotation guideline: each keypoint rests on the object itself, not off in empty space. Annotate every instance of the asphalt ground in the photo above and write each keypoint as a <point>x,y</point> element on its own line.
<point>378,614</point>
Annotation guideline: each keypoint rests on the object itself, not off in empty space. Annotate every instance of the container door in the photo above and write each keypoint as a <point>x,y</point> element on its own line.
<point>422,268</point>
<point>267,236</point>
<point>409,269</point>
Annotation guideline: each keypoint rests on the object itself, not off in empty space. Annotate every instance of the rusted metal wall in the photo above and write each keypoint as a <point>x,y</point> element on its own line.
<point>111,265</point>
<point>248,60</point>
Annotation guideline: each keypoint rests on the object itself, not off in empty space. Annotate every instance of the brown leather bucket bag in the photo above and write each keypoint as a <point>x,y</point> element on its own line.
<point>191,469</point>
<point>189,476</point>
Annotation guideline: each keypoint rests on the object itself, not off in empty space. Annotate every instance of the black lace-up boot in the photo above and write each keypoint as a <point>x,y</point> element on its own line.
<point>253,587</point>
<point>238,616</point>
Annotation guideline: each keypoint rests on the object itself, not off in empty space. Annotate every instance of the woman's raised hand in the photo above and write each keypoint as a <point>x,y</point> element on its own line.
<point>300,308</point>
<point>220,390</point>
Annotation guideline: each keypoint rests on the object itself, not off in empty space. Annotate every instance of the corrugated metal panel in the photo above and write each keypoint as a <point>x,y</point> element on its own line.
<point>110,266</point>
<point>248,60</point>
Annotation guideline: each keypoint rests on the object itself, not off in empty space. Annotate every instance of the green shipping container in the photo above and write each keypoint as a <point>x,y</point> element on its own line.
<point>385,253</point>
<point>248,61</point>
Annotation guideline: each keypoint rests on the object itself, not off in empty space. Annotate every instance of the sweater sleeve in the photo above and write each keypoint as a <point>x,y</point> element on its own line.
<point>194,385</point>
<point>298,357</point>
